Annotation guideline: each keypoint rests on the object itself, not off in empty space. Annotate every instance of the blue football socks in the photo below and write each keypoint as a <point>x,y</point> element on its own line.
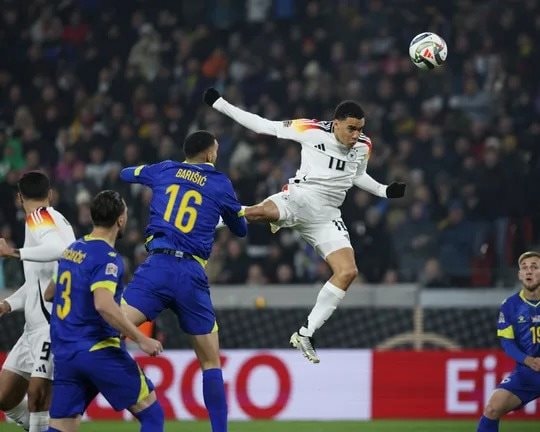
<point>214,399</point>
<point>488,425</point>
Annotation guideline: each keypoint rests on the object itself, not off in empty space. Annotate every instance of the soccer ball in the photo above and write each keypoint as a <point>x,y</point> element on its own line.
<point>428,50</point>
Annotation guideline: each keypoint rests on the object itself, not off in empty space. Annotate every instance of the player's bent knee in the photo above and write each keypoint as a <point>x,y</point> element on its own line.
<point>494,412</point>
<point>152,417</point>
<point>348,273</point>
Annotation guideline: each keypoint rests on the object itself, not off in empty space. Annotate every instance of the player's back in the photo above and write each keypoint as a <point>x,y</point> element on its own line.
<point>76,325</point>
<point>187,202</point>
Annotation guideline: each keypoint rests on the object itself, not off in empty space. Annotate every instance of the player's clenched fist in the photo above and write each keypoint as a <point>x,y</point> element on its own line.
<point>211,95</point>
<point>533,363</point>
<point>151,346</point>
<point>395,190</point>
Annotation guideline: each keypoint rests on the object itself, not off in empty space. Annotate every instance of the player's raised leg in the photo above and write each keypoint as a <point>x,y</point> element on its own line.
<point>500,403</point>
<point>207,350</point>
<point>13,388</point>
<point>267,211</point>
<point>343,273</point>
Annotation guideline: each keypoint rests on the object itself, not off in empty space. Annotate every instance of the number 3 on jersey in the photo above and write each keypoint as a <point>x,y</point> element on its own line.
<point>62,311</point>
<point>186,215</point>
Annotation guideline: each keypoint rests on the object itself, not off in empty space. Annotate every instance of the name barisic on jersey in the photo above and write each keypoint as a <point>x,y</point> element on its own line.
<point>192,176</point>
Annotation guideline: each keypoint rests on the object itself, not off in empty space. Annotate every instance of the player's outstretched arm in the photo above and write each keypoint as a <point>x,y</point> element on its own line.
<point>51,248</point>
<point>111,312</point>
<point>251,121</point>
<point>367,183</point>
<point>236,223</point>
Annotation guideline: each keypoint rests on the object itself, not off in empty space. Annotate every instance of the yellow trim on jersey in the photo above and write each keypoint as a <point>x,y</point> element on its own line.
<point>522,296</point>
<point>149,239</point>
<point>123,301</point>
<point>215,328</point>
<point>112,342</point>
<point>144,391</point>
<point>507,333</point>
<point>241,212</point>
<point>138,170</point>
<point>90,237</point>
<point>201,261</point>
<point>109,285</point>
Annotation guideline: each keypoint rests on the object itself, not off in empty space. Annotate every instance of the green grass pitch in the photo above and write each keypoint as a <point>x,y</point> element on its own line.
<point>300,426</point>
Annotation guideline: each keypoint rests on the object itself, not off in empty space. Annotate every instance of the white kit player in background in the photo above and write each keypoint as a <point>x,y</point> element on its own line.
<point>28,369</point>
<point>334,157</point>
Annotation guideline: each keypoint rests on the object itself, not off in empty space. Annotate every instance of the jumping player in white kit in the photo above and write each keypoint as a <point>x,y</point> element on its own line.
<point>28,369</point>
<point>334,157</point>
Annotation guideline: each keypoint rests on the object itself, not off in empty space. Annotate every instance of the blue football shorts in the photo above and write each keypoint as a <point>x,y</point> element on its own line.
<point>109,371</point>
<point>165,282</point>
<point>522,382</point>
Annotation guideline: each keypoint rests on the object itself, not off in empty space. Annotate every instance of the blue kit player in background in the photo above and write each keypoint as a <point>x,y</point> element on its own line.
<point>519,330</point>
<point>188,199</point>
<point>86,324</point>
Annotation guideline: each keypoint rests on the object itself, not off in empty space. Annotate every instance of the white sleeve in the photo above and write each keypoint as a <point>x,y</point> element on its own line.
<point>51,248</point>
<point>251,121</point>
<point>364,181</point>
<point>43,228</point>
<point>295,130</point>
<point>17,299</point>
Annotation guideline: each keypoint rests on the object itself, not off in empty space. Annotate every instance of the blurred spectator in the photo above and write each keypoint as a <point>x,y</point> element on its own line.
<point>456,242</point>
<point>89,87</point>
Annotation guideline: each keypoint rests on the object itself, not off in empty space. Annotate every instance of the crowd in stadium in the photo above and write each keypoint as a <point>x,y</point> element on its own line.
<point>91,86</point>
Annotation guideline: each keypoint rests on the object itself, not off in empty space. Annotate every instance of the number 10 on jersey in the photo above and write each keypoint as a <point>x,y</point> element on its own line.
<point>186,214</point>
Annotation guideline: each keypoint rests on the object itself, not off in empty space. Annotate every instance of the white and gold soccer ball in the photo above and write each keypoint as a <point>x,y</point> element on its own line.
<point>428,50</point>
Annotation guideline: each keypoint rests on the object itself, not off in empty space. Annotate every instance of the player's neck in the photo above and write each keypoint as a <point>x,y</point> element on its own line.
<point>32,205</point>
<point>197,161</point>
<point>106,234</point>
<point>532,295</point>
<point>340,143</point>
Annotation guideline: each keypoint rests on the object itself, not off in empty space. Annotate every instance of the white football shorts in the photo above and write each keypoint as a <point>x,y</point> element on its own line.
<point>31,356</point>
<point>320,226</point>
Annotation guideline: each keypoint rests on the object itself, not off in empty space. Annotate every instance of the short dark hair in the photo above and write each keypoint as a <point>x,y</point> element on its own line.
<point>349,108</point>
<point>528,254</point>
<point>34,185</point>
<point>106,207</point>
<point>197,142</point>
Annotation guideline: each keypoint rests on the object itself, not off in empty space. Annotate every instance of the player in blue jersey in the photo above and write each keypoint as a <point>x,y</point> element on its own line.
<point>86,324</point>
<point>188,199</point>
<point>519,330</point>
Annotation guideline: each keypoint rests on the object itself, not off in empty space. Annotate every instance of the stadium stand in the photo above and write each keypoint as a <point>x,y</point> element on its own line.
<point>89,86</point>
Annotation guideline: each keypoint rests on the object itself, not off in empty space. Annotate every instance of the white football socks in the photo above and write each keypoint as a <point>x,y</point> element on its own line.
<point>39,421</point>
<point>20,414</point>
<point>327,301</point>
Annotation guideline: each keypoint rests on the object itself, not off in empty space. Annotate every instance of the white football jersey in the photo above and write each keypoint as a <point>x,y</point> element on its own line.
<point>44,225</point>
<point>328,168</point>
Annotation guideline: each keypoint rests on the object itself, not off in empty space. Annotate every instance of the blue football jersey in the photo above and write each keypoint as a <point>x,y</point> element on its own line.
<point>187,201</point>
<point>519,319</point>
<point>87,264</point>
